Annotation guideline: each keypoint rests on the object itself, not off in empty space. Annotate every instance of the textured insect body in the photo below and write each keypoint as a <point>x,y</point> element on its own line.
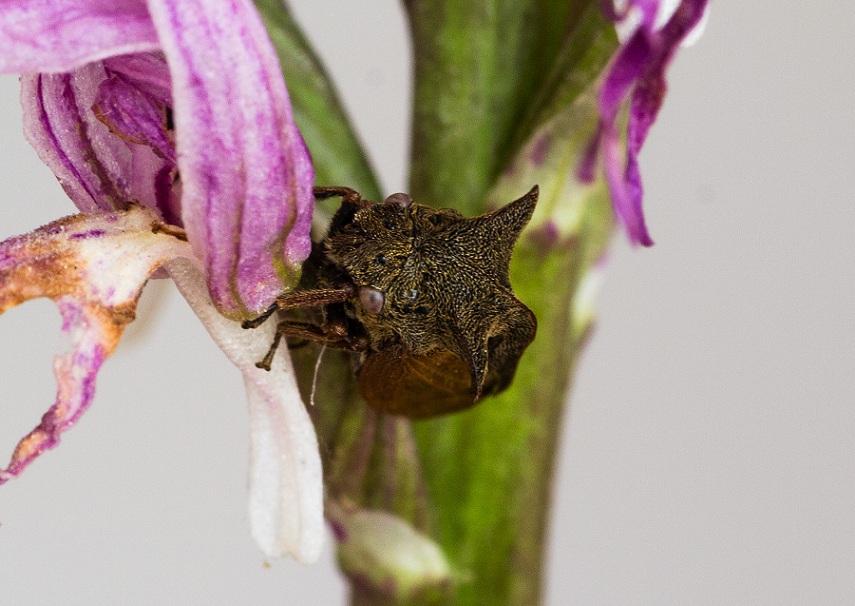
<point>424,296</point>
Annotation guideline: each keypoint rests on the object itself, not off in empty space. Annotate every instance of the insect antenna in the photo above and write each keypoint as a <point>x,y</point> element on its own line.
<point>317,373</point>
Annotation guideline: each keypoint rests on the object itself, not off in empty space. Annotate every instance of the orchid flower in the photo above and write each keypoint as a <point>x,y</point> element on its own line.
<point>650,33</point>
<point>168,124</point>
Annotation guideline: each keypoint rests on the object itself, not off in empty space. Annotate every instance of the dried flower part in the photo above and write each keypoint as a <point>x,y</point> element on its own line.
<point>93,267</point>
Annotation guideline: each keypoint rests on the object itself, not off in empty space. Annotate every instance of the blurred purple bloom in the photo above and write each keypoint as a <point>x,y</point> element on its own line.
<point>174,112</point>
<point>637,70</point>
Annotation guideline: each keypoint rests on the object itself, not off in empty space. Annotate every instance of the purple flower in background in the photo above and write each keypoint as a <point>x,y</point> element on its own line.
<point>168,124</point>
<point>650,32</point>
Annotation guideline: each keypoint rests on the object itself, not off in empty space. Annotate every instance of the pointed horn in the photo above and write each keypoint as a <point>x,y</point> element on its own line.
<point>498,231</point>
<point>513,217</point>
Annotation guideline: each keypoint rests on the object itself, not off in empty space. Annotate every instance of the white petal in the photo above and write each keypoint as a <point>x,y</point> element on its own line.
<point>285,478</point>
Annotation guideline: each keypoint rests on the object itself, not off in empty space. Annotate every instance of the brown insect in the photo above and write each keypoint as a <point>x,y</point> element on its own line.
<point>422,295</point>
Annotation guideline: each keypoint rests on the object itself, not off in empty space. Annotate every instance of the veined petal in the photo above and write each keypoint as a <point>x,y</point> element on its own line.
<point>285,478</point>
<point>94,267</point>
<point>133,115</point>
<point>245,171</point>
<point>60,35</point>
<point>97,169</point>
<point>148,71</point>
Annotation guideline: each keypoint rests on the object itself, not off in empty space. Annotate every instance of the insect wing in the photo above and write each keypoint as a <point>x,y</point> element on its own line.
<point>397,382</point>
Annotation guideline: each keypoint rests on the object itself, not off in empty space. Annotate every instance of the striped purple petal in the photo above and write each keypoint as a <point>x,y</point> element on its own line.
<point>60,35</point>
<point>242,187</point>
<point>135,116</point>
<point>637,69</point>
<point>98,169</point>
<point>245,171</point>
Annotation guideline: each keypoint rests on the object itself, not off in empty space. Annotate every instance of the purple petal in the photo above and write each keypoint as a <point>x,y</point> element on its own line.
<point>625,69</point>
<point>649,92</point>
<point>94,266</point>
<point>97,169</point>
<point>148,71</point>
<point>647,99</point>
<point>135,116</point>
<point>626,200</point>
<point>648,9</point>
<point>60,35</point>
<point>639,66</point>
<point>57,125</point>
<point>245,171</point>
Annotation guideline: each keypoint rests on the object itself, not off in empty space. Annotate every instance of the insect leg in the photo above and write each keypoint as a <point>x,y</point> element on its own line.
<point>268,357</point>
<point>301,298</point>
<point>302,330</point>
<point>345,193</point>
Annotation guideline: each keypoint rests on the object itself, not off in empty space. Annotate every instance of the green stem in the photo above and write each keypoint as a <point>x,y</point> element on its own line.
<point>489,470</point>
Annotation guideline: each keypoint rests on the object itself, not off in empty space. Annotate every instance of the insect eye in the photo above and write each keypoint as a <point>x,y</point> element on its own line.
<point>412,294</point>
<point>380,259</point>
<point>371,299</point>
<point>389,224</point>
<point>400,199</point>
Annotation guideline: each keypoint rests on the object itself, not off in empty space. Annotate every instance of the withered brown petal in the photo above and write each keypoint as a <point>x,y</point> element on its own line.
<point>94,267</point>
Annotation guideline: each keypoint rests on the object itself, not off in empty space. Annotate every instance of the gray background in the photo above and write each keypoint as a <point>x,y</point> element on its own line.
<point>709,452</point>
